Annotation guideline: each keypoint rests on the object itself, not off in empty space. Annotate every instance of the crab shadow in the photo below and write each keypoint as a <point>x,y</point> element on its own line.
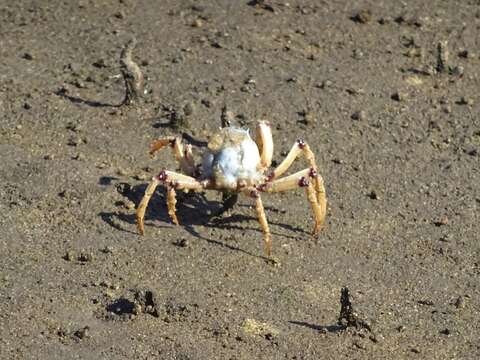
<point>335,328</point>
<point>193,209</point>
<point>77,100</point>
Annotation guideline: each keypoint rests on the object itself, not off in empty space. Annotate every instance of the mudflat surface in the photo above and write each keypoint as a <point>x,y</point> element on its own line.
<point>391,116</point>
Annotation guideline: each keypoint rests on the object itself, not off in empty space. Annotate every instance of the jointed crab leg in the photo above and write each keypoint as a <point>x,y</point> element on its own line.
<point>172,181</point>
<point>301,147</point>
<point>144,203</point>
<point>264,142</point>
<point>286,183</point>
<point>262,219</point>
<point>303,179</point>
<point>171,202</point>
<point>183,155</point>
<point>318,212</point>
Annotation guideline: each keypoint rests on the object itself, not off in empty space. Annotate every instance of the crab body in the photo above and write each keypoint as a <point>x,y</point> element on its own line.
<point>235,163</point>
<point>232,160</point>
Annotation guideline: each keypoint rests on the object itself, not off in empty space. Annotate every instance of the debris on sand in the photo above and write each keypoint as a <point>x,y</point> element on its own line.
<point>348,318</point>
<point>362,17</point>
<point>442,56</point>
<point>145,302</point>
<point>132,75</point>
<point>261,4</point>
<point>254,327</point>
<point>226,118</point>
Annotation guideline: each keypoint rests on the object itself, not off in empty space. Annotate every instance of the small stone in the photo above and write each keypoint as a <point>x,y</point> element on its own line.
<point>137,309</point>
<point>359,115</point>
<point>74,141</point>
<point>141,176</point>
<point>384,20</point>
<point>442,56</point>
<point>471,150</point>
<point>27,56</point>
<point>465,101</point>
<point>373,195</point>
<point>325,84</point>
<point>414,52</point>
<point>445,332</point>
<point>27,106</point>
<point>362,17</point>
<point>79,157</point>
<point>197,23</point>
<point>415,350</point>
<point>119,15</point>
<point>79,84</point>
<point>398,96</point>
<point>309,118</point>
<point>464,54</point>
<point>100,64</point>
<point>460,303</point>
<point>82,333</point>
<point>70,255</point>
<point>85,257</point>
<point>122,172</point>
<point>181,243</point>
<point>426,302</point>
<point>107,250</point>
<point>188,108</point>
<point>458,70</point>
<point>357,54</point>
<point>441,222</point>
<point>376,338</point>
<point>129,205</point>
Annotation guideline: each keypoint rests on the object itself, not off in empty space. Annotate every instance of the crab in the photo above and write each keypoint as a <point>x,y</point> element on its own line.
<point>236,164</point>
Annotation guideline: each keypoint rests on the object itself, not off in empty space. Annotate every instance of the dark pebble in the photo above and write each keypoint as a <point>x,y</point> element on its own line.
<point>460,303</point>
<point>85,257</point>
<point>82,333</point>
<point>465,101</point>
<point>471,150</point>
<point>182,243</point>
<point>373,195</point>
<point>27,56</point>
<point>445,332</point>
<point>359,115</point>
<point>362,17</point>
<point>441,222</point>
<point>398,96</point>
<point>426,302</point>
<point>70,256</point>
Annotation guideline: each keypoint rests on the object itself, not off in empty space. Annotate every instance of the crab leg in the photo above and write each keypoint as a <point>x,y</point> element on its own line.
<point>144,203</point>
<point>184,156</point>
<point>171,202</point>
<point>173,181</point>
<point>262,219</point>
<point>264,142</point>
<point>301,147</point>
<point>303,179</point>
